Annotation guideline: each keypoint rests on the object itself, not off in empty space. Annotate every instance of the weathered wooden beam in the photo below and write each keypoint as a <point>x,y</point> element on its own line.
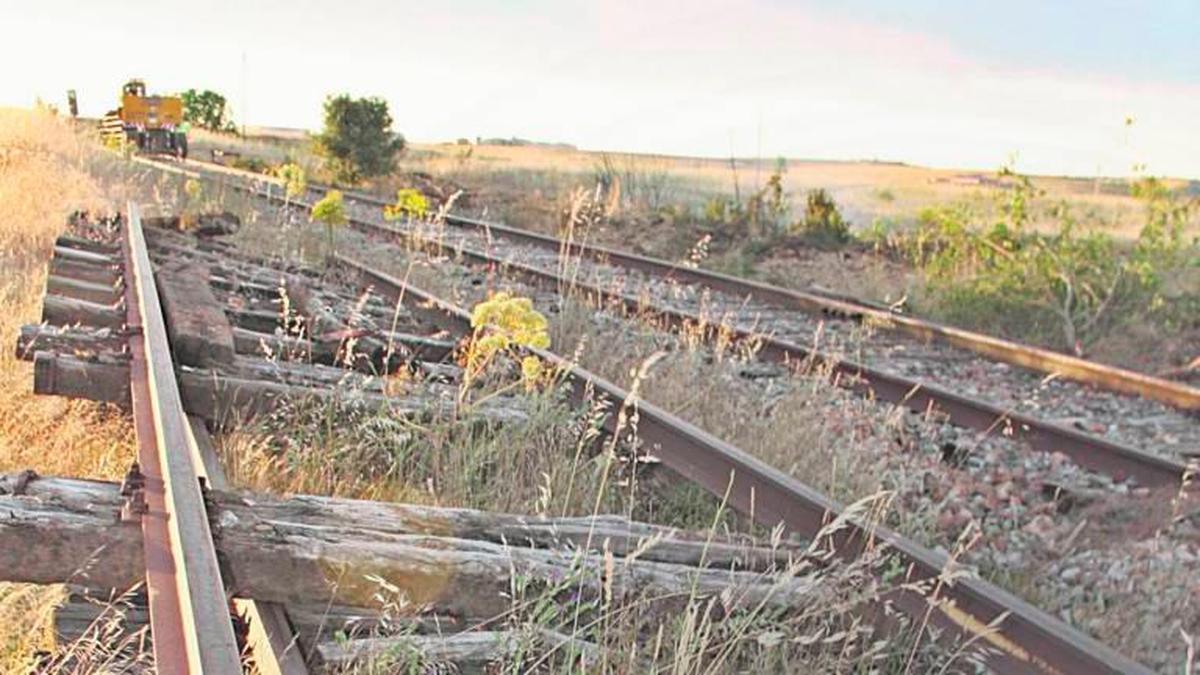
<point>88,257</point>
<point>200,332</point>
<point>106,275</point>
<point>74,341</point>
<point>616,534</point>
<point>90,245</point>
<point>181,245</point>
<point>83,290</point>
<point>286,347</point>
<point>301,374</point>
<point>417,346</point>
<point>67,531</point>
<point>80,611</point>
<point>322,622</point>
<point>62,311</point>
<point>244,287</point>
<point>104,379</point>
<point>306,550</point>
<point>322,323</point>
<point>470,652</point>
<point>218,396</point>
<point>440,641</point>
<point>256,320</point>
<point>403,348</point>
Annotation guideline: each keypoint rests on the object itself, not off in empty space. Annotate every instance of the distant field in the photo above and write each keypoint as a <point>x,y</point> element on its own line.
<point>865,190</point>
<point>662,210</point>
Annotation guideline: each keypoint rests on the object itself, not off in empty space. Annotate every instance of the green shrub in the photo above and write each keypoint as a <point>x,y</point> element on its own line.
<point>331,212</point>
<point>252,164</point>
<point>823,224</point>
<point>1067,288</point>
<point>409,202</point>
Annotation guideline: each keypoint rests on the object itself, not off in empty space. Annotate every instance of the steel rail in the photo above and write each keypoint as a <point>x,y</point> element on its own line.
<point>1026,356</point>
<point>1022,638</point>
<point>1115,379</point>
<point>1088,451</point>
<point>1117,460</point>
<point>189,612</point>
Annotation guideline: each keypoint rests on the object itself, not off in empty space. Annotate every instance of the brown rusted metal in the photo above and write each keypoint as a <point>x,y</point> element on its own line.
<point>1088,451</point>
<point>269,633</point>
<point>1034,358</point>
<point>189,612</point>
<point>1024,638</point>
<point>1026,356</point>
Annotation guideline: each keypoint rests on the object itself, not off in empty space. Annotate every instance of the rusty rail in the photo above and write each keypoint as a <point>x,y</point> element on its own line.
<point>1091,452</point>
<point>1033,358</point>
<point>1088,451</point>
<point>1024,639</point>
<point>189,613</point>
<point>1026,356</point>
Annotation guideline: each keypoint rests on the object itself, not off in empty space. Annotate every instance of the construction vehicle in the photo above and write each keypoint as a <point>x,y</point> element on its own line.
<point>150,125</point>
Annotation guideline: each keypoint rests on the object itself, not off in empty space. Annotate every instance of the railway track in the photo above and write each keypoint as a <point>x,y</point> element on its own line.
<point>124,321</point>
<point>1027,639</point>
<point>189,613</point>
<point>1095,420</point>
<point>916,364</point>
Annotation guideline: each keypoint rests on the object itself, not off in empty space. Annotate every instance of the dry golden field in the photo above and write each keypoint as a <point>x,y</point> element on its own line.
<point>45,174</point>
<point>662,207</point>
<point>865,190</point>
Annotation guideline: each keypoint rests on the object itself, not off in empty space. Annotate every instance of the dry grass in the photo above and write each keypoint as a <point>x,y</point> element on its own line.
<point>531,182</point>
<point>556,465</point>
<point>44,175</point>
<point>836,447</point>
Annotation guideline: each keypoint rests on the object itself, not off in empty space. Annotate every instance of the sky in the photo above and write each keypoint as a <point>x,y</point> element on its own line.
<point>1046,85</point>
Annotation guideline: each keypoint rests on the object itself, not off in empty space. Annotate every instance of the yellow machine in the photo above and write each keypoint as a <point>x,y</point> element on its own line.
<point>152,124</point>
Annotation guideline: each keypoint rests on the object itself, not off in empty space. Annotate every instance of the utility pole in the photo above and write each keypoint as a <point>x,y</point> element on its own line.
<point>245,104</point>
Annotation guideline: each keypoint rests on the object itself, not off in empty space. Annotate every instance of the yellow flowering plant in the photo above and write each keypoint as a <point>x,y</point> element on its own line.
<point>294,180</point>
<point>193,193</point>
<point>409,202</point>
<point>331,211</point>
<point>503,325</point>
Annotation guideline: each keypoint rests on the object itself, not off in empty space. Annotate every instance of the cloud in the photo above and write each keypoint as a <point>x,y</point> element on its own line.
<point>677,77</point>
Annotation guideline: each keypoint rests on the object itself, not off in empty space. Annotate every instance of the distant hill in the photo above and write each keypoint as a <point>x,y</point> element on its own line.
<point>285,133</point>
<point>523,142</point>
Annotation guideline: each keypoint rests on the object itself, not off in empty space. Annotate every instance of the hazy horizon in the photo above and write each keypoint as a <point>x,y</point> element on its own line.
<point>928,84</point>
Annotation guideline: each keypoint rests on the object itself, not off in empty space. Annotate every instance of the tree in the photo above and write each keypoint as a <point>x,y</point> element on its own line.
<point>357,141</point>
<point>206,109</point>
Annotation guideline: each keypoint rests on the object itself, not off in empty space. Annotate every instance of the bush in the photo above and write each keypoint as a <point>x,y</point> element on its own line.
<point>410,202</point>
<point>252,164</point>
<point>823,224</point>
<point>331,212</point>
<point>1067,288</point>
<point>357,141</point>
